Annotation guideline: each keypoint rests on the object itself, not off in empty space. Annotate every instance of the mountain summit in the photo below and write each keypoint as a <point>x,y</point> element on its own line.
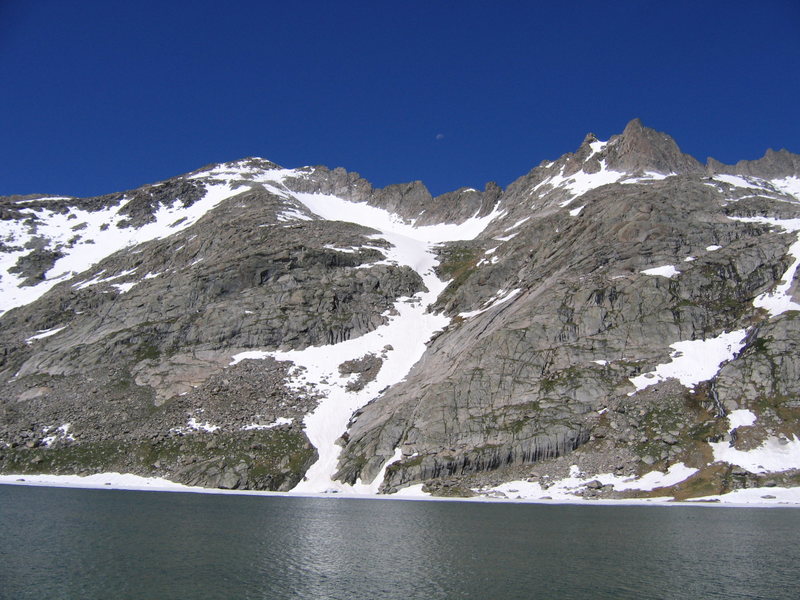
<point>640,149</point>
<point>618,322</point>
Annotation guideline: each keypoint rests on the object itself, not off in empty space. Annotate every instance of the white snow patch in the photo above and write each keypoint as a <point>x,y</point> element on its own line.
<point>505,238</point>
<point>741,418</point>
<point>97,279</point>
<point>667,271</point>
<point>766,496</point>
<point>411,491</point>
<point>350,250</point>
<point>205,426</point>
<point>336,209</point>
<point>44,333</point>
<point>61,432</point>
<point>517,224</point>
<point>194,425</point>
<point>675,474</point>
<point>276,423</point>
<point>694,361</point>
<point>293,215</point>
<point>646,178</point>
<point>689,259</point>
<point>499,298</point>
<point>576,211</point>
<point>713,248</point>
<point>124,287</point>
<point>763,496</point>
<point>597,147</point>
<point>45,199</point>
<point>118,481</point>
<point>741,181</point>
<point>490,261</point>
<point>238,170</point>
<point>602,363</point>
<point>581,182</point>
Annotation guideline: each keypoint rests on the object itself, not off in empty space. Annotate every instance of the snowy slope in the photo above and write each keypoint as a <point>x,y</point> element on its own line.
<point>87,237</point>
<point>400,342</point>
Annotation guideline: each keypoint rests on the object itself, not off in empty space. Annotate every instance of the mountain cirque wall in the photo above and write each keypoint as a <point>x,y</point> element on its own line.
<point>624,308</point>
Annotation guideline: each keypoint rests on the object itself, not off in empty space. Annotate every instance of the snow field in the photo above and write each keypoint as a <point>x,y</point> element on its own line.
<point>98,238</point>
<point>694,361</point>
<point>774,455</point>
<point>786,189</point>
<point>570,487</point>
<point>579,183</point>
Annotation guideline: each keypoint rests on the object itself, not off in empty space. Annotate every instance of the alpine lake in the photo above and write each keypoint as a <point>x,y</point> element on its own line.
<point>86,544</point>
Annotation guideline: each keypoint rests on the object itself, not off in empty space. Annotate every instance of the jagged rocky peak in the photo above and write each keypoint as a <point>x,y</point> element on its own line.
<point>638,153</point>
<point>641,149</point>
<point>637,150</point>
<point>772,165</point>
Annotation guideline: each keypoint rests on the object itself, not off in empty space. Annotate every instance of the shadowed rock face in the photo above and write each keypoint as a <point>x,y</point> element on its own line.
<point>591,267</point>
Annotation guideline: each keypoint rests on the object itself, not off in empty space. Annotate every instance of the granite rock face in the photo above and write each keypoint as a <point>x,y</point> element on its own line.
<point>153,331</point>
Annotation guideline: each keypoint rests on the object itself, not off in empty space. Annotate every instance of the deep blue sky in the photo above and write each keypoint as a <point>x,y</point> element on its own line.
<point>101,96</point>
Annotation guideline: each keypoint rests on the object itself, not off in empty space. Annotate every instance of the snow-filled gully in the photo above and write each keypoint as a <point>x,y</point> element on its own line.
<point>400,341</point>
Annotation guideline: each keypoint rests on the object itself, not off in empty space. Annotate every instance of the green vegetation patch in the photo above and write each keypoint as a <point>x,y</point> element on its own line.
<point>457,264</point>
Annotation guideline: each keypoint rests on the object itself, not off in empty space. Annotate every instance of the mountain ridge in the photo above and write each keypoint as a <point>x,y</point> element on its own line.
<point>252,326</point>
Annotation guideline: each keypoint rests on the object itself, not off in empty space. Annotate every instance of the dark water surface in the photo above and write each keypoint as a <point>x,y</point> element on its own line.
<point>67,543</point>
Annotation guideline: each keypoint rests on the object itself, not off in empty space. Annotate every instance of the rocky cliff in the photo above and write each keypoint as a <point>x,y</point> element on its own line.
<point>622,310</point>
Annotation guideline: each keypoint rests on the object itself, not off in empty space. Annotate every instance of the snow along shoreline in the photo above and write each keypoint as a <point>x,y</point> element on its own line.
<point>749,498</point>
